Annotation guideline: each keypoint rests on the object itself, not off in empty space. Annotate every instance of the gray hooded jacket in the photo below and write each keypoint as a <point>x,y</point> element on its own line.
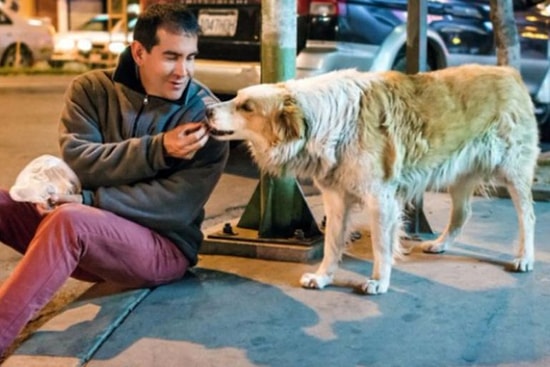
<point>111,136</point>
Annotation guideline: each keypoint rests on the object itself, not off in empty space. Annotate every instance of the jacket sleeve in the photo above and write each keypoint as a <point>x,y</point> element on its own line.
<point>90,106</point>
<point>175,198</point>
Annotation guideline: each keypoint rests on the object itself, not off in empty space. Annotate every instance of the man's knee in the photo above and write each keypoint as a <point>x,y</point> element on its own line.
<point>62,229</point>
<point>72,215</point>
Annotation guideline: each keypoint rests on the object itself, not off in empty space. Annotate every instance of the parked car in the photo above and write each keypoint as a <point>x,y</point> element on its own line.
<point>370,35</point>
<point>24,41</point>
<point>230,46</point>
<point>92,43</point>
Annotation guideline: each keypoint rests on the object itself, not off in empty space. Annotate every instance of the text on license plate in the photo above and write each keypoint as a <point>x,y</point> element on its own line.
<point>218,22</point>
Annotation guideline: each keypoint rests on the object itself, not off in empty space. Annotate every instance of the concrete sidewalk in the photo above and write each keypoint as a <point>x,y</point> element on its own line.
<point>460,308</point>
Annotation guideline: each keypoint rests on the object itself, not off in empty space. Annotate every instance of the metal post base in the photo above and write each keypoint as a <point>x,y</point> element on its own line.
<point>416,223</point>
<point>229,239</point>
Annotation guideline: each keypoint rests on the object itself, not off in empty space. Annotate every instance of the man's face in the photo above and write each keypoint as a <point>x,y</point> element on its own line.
<point>166,70</point>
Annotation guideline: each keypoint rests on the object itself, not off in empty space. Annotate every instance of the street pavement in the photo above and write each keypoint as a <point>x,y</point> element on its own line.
<point>460,308</point>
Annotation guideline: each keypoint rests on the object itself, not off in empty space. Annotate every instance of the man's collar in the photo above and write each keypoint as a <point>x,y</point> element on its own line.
<point>126,72</point>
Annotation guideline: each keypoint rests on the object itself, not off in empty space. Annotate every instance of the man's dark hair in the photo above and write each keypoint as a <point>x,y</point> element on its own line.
<point>174,17</point>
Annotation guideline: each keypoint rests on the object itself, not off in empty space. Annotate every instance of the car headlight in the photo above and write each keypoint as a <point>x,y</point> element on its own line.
<point>84,45</point>
<point>64,45</point>
<point>116,48</point>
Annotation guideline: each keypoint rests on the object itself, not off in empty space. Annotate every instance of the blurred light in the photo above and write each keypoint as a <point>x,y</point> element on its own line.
<point>133,8</point>
<point>322,9</point>
<point>544,9</point>
<point>116,47</point>
<point>456,40</point>
<point>64,44</point>
<point>35,22</point>
<point>84,45</point>
<point>534,35</point>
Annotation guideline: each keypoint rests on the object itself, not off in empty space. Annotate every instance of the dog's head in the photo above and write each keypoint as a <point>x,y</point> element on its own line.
<point>265,115</point>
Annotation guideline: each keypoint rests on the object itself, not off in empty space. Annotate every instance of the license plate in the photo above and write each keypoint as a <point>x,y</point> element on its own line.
<point>218,22</point>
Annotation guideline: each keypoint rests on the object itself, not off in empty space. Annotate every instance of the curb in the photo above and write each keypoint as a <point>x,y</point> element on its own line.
<point>540,192</point>
<point>35,83</point>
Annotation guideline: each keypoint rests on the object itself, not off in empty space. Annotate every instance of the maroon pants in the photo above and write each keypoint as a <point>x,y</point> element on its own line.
<point>75,240</point>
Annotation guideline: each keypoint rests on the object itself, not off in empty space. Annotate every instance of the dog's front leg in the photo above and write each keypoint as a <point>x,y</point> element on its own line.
<point>337,214</point>
<point>385,219</point>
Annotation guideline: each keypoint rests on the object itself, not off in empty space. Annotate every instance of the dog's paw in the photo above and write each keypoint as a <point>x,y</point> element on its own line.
<point>522,265</point>
<point>433,247</point>
<point>373,287</point>
<point>315,281</point>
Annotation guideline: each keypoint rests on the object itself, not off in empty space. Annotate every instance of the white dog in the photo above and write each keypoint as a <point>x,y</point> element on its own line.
<point>382,139</point>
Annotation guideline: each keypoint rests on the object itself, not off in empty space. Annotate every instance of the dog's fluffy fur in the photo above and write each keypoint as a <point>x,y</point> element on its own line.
<point>382,139</point>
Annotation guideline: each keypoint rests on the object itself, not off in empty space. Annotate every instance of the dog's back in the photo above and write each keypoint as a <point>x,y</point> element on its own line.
<point>444,124</point>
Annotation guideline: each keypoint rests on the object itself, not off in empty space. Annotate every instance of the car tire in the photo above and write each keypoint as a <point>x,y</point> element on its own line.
<point>400,64</point>
<point>10,57</point>
<point>544,122</point>
<point>56,64</point>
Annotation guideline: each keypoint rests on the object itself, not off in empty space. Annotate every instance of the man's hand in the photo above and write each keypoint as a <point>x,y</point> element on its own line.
<point>184,140</point>
<point>56,200</point>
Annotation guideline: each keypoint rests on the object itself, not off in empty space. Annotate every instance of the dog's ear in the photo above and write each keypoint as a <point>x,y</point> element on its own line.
<point>290,119</point>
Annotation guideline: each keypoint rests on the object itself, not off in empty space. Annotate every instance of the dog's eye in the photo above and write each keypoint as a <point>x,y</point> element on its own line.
<point>246,107</point>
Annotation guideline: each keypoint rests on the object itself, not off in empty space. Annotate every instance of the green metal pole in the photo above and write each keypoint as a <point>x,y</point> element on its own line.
<point>278,40</point>
<point>417,50</point>
<point>278,208</point>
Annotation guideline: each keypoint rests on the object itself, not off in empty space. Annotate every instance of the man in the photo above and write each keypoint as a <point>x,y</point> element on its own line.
<point>134,138</point>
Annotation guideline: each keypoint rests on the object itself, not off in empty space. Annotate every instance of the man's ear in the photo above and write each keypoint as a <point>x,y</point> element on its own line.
<point>138,52</point>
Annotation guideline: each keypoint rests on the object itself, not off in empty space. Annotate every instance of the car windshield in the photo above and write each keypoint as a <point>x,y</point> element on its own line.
<point>98,24</point>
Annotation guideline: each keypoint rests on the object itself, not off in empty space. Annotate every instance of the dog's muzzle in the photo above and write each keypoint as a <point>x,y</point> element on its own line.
<point>211,129</point>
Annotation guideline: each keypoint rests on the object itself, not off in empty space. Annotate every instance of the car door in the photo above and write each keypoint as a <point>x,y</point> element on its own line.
<point>6,32</point>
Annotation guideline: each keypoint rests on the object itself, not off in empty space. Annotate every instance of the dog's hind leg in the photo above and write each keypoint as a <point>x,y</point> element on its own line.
<point>519,188</point>
<point>337,210</point>
<point>385,221</point>
<point>461,194</point>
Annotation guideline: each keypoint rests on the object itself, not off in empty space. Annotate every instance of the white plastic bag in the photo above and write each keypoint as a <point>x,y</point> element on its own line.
<point>43,177</point>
